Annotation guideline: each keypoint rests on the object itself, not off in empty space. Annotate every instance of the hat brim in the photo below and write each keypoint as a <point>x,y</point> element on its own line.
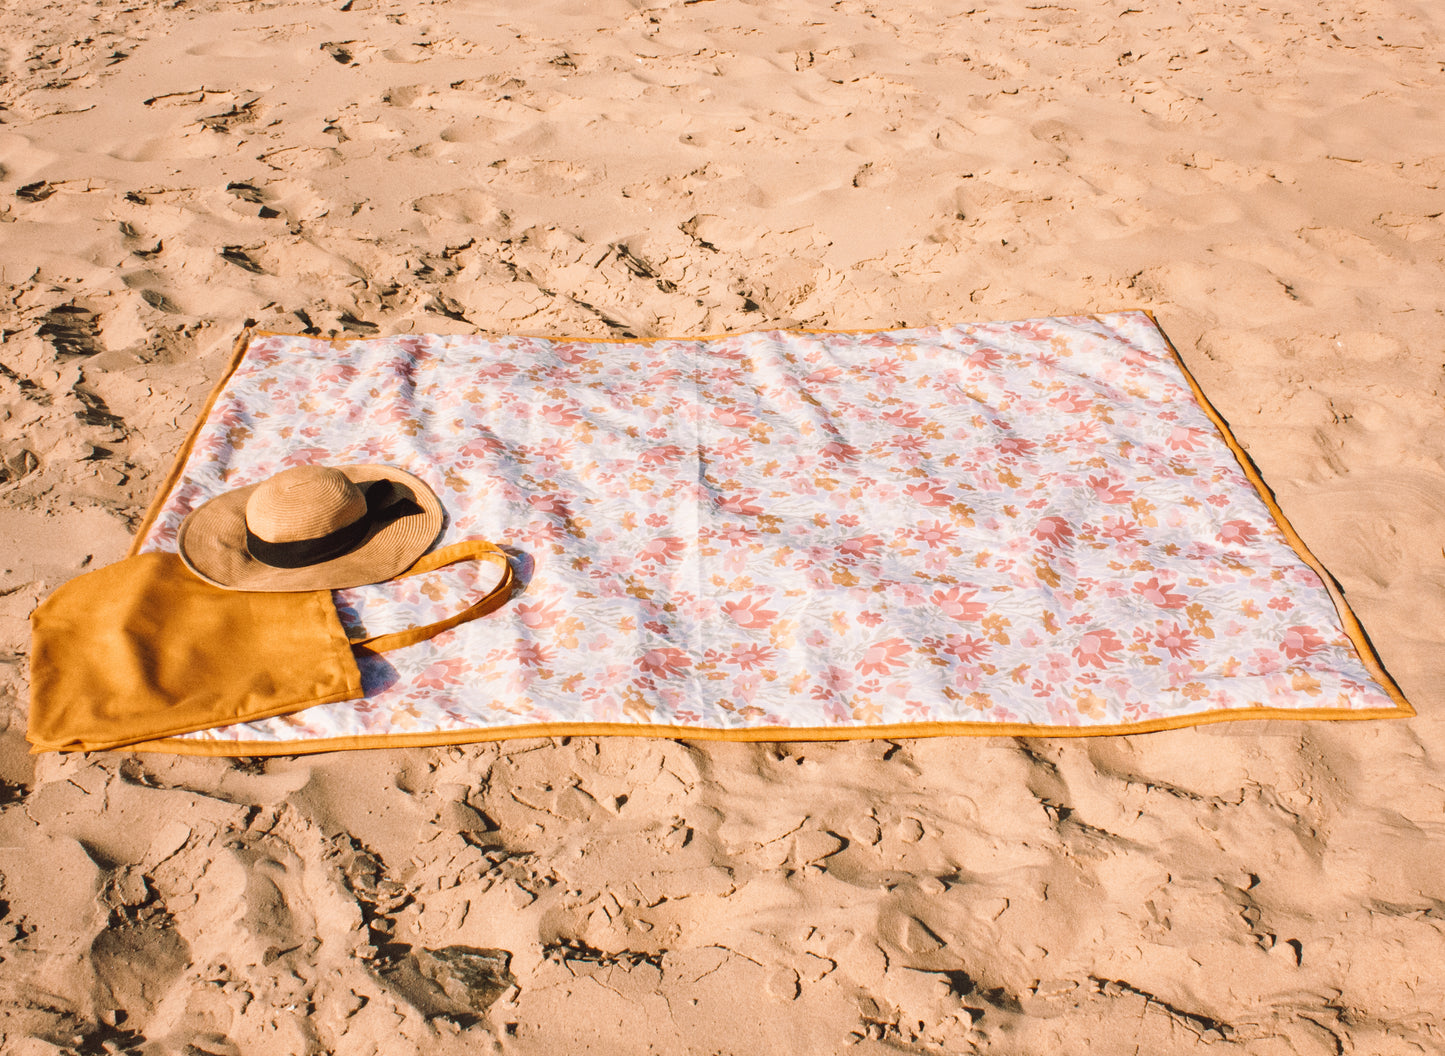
<point>212,542</point>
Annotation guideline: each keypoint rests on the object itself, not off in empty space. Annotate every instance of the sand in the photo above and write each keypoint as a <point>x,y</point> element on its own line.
<point>1266,179</point>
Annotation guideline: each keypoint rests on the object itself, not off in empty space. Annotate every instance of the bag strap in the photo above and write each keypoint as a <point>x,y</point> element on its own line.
<point>472,549</point>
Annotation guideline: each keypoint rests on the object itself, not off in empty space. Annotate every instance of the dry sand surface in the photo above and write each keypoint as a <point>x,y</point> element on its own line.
<point>1265,177</point>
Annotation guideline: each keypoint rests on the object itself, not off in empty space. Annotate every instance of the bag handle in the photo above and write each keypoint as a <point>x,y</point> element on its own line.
<point>448,555</point>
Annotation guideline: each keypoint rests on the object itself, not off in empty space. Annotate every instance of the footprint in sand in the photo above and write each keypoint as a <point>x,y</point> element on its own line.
<point>302,159</point>
<point>462,206</point>
<point>139,954</point>
<point>233,46</point>
<point>1062,137</point>
<point>135,964</point>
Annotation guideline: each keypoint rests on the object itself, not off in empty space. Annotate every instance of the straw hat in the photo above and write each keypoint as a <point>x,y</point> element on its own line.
<point>312,528</point>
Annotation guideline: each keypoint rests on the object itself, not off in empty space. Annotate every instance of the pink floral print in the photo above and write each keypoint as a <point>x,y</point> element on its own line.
<point>1024,523</point>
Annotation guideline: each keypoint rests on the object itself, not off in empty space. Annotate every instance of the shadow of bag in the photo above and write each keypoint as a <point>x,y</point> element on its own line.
<point>145,649</point>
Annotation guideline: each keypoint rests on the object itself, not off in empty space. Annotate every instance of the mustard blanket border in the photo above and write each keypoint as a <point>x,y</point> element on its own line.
<point>434,738</point>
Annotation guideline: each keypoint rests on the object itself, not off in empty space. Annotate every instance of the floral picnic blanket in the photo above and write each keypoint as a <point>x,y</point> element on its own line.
<point>1031,527</point>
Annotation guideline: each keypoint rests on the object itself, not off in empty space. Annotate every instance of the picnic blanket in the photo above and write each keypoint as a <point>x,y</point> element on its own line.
<point>1032,527</point>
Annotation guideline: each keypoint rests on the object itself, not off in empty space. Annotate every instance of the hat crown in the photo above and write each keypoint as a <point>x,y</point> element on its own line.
<point>306,502</point>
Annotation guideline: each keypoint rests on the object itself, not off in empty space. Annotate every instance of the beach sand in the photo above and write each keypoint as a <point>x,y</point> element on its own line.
<point>1267,180</point>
